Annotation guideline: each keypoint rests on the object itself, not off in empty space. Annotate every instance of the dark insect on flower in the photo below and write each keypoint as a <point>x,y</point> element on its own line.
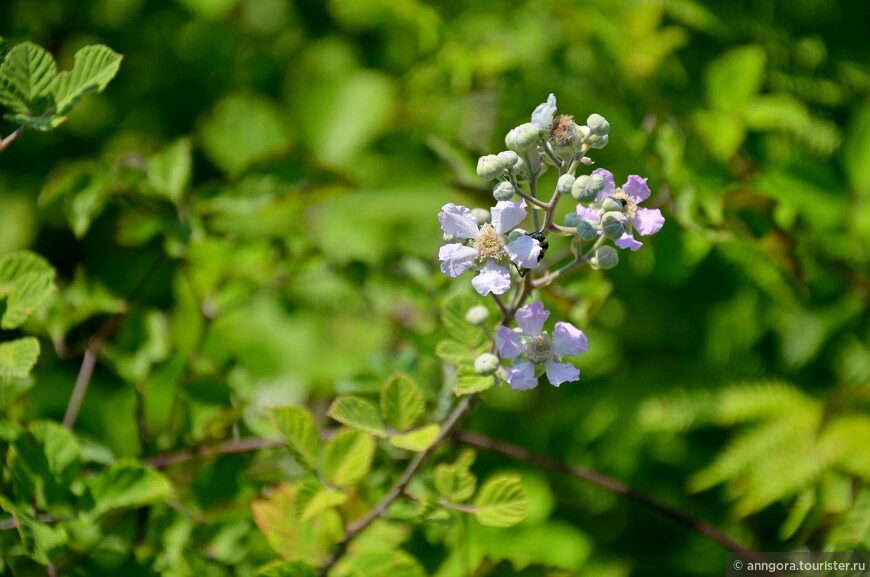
<point>542,242</point>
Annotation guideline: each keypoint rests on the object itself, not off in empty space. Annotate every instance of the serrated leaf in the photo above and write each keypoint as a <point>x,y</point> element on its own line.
<point>347,457</point>
<point>454,310</point>
<point>501,501</point>
<point>27,78</point>
<point>468,382</point>
<point>42,123</point>
<point>384,564</point>
<point>18,357</point>
<point>455,481</point>
<point>26,280</point>
<point>454,352</point>
<point>402,402</point>
<point>417,440</point>
<point>93,68</point>
<point>358,413</point>
<point>293,540</point>
<point>169,170</point>
<point>297,427</point>
<point>292,569</point>
<point>128,485</point>
<point>312,498</point>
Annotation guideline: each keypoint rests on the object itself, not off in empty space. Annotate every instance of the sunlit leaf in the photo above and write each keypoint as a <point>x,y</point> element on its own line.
<point>128,486</point>
<point>312,498</point>
<point>169,170</point>
<point>347,457</point>
<point>94,67</point>
<point>358,413</point>
<point>26,280</point>
<point>735,77</point>
<point>297,427</point>
<point>455,482</point>
<point>501,501</point>
<point>396,563</point>
<point>418,439</point>
<point>402,401</point>
<point>27,77</point>
<point>292,569</point>
<point>18,357</point>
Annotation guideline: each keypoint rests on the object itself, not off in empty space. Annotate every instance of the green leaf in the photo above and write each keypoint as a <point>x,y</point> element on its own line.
<point>292,569</point>
<point>62,448</point>
<point>468,381</point>
<point>856,152</point>
<point>721,132</point>
<point>27,77</point>
<point>402,401</point>
<point>40,539</point>
<point>84,187</point>
<point>4,49</point>
<point>501,502</point>
<point>735,77</point>
<point>169,170</point>
<point>26,280</point>
<point>347,457</point>
<point>417,440</point>
<point>18,357</point>
<point>396,563</point>
<point>455,352</point>
<point>358,413</point>
<point>42,123</point>
<point>93,68</point>
<point>312,498</point>
<point>456,482</point>
<point>128,485</point>
<point>297,427</point>
<point>454,310</point>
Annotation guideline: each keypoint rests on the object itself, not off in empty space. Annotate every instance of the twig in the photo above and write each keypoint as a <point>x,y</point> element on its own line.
<point>12,138</point>
<point>95,345</point>
<point>605,482</point>
<point>398,487</point>
<point>228,448</point>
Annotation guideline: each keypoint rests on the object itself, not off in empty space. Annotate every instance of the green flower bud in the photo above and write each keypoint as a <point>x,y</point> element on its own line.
<point>611,204</point>
<point>521,170</point>
<point>522,137</point>
<point>503,191</point>
<point>477,315</point>
<point>515,234</point>
<point>481,214</point>
<point>572,219</point>
<point>508,159</point>
<point>605,258</point>
<point>448,238</point>
<point>613,225</point>
<point>598,124</point>
<point>489,167</point>
<point>587,186</point>
<point>486,364</point>
<point>563,186</point>
<point>586,230</point>
<point>596,141</point>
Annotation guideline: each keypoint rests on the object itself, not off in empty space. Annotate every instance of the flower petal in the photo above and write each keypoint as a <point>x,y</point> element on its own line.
<point>531,318</point>
<point>628,241</point>
<point>492,278</point>
<point>508,343</point>
<point>521,377</point>
<point>636,187</point>
<point>609,184</point>
<point>456,259</point>
<point>542,117</point>
<point>589,214</point>
<point>458,221</point>
<point>524,251</point>
<point>569,340</point>
<point>506,214</point>
<point>558,373</point>
<point>648,221</point>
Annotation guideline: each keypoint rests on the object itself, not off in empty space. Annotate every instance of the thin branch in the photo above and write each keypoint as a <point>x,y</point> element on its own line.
<point>95,345</point>
<point>206,452</point>
<point>607,483</point>
<point>398,487</point>
<point>12,138</point>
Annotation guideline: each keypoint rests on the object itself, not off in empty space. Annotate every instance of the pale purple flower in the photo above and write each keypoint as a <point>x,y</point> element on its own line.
<point>644,221</point>
<point>485,246</point>
<point>542,117</point>
<point>534,351</point>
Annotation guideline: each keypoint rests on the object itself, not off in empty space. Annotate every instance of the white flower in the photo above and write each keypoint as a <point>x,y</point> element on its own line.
<point>484,245</point>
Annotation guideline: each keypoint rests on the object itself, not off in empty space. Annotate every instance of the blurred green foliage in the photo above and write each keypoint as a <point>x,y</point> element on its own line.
<point>251,206</point>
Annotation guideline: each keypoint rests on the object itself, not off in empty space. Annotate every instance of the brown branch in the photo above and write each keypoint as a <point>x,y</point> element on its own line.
<point>607,483</point>
<point>398,487</point>
<point>209,451</point>
<point>4,144</point>
<point>95,345</point>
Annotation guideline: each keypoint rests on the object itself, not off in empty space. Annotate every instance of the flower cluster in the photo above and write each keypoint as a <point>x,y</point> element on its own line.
<point>489,242</point>
<point>534,353</point>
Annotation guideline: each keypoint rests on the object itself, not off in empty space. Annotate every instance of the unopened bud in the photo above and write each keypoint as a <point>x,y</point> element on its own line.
<point>564,184</point>
<point>613,225</point>
<point>572,219</point>
<point>489,167</point>
<point>508,159</point>
<point>598,124</point>
<point>606,258</point>
<point>586,230</point>
<point>481,214</point>
<point>477,315</point>
<point>587,186</point>
<point>596,141</point>
<point>611,204</point>
<point>503,191</point>
<point>486,364</point>
<point>522,137</point>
